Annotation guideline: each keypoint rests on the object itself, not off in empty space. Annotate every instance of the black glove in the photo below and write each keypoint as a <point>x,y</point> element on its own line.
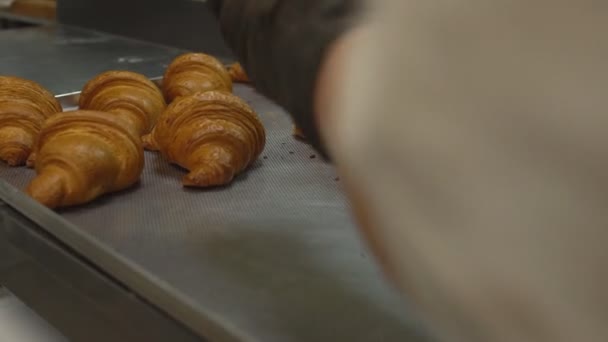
<point>282,43</point>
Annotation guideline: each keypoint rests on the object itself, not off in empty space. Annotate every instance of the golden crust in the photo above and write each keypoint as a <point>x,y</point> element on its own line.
<point>82,155</point>
<point>24,106</point>
<point>193,73</point>
<point>237,73</point>
<point>214,134</point>
<point>126,94</point>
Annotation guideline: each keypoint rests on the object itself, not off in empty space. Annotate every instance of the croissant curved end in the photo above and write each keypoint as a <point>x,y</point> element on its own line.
<point>31,161</point>
<point>48,188</point>
<point>237,73</point>
<point>150,143</point>
<point>14,155</point>
<point>209,175</point>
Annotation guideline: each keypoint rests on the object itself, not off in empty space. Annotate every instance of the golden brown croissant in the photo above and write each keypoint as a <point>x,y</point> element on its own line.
<point>24,106</point>
<point>127,94</point>
<point>237,73</point>
<point>193,73</point>
<point>215,135</point>
<point>82,155</point>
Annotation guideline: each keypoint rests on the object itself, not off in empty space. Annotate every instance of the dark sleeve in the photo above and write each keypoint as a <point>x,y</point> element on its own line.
<point>282,43</point>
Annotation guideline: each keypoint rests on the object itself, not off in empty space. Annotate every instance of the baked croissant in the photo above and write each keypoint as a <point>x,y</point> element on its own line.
<point>128,94</point>
<point>24,106</point>
<point>214,135</point>
<point>237,73</point>
<point>192,73</point>
<point>82,155</point>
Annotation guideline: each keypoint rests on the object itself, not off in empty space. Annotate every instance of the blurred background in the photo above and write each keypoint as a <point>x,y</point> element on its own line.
<point>191,27</point>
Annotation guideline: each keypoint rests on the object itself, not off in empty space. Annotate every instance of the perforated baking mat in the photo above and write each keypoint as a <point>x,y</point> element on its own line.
<point>273,257</point>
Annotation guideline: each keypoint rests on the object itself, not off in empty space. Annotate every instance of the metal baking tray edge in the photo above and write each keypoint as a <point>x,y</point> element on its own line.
<point>146,285</point>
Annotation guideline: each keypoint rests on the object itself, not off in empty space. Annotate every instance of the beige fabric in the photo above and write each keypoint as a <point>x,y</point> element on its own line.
<point>477,134</point>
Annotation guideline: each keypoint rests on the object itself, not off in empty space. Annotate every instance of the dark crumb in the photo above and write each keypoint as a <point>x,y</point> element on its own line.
<point>282,158</point>
<point>313,156</point>
<point>283,144</point>
<point>337,179</point>
<point>265,157</point>
<point>291,152</point>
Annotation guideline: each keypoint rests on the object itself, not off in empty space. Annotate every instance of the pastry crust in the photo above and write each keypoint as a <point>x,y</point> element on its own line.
<point>24,106</point>
<point>298,133</point>
<point>237,73</point>
<point>192,73</point>
<point>82,155</point>
<point>214,135</point>
<point>127,94</point>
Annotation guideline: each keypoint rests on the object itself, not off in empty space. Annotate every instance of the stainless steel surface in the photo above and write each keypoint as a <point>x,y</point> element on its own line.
<point>19,324</point>
<point>274,257</point>
<point>63,59</point>
<point>79,297</point>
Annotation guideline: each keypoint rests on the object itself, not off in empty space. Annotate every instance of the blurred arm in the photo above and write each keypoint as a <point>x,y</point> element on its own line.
<point>472,137</point>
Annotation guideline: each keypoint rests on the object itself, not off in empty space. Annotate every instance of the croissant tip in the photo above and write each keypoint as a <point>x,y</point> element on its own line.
<point>190,181</point>
<point>31,161</point>
<point>47,189</point>
<point>207,176</point>
<point>149,143</point>
<point>14,156</point>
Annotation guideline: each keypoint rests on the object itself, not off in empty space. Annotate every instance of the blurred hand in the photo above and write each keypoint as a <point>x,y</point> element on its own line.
<point>282,45</point>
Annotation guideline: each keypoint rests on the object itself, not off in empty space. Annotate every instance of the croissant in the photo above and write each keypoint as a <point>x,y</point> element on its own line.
<point>237,73</point>
<point>192,73</point>
<point>24,106</point>
<point>128,94</point>
<point>82,155</point>
<point>214,135</point>
<point>299,133</point>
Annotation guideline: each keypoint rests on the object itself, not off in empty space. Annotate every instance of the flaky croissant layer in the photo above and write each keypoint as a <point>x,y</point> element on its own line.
<point>82,155</point>
<point>24,106</point>
<point>129,95</point>
<point>192,73</point>
<point>215,135</point>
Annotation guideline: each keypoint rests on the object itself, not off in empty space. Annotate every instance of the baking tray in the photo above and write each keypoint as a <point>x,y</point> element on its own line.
<point>273,257</point>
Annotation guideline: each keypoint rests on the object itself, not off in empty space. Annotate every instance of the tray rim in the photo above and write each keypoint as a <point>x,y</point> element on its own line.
<point>153,289</point>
